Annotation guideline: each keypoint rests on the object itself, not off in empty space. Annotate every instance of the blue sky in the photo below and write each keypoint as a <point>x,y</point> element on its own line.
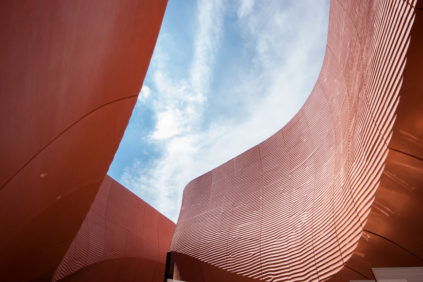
<point>225,75</point>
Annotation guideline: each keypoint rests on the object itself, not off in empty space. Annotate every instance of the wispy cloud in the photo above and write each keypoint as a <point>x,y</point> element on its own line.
<point>145,93</point>
<point>178,109</point>
<point>282,50</point>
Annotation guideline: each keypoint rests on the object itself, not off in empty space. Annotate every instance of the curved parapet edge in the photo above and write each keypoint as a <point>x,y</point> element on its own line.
<point>70,75</point>
<point>293,208</point>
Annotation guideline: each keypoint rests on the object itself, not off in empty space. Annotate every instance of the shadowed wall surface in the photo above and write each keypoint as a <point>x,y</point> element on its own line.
<point>295,207</point>
<point>70,75</point>
<point>192,269</point>
<point>121,239</point>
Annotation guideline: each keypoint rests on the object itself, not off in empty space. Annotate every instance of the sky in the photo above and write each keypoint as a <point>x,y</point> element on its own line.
<point>224,76</point>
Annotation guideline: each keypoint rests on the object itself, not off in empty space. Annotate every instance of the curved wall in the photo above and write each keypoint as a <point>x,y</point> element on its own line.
<point>121,239</point>
<point>393,232</point>
<point>293,208</point>
<point>70,75</point>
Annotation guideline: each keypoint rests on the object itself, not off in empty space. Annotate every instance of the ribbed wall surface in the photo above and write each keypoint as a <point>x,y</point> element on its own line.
<point>293,207</point>
<point>123,231</point>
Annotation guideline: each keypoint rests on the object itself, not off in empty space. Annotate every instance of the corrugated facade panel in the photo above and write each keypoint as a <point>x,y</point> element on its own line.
<point>118,227</point>
<point>293,208</point>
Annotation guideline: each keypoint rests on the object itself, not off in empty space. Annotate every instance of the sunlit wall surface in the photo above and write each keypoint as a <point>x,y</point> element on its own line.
<point>293,208</point>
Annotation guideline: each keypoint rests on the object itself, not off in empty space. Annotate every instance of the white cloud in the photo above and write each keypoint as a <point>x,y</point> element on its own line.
<point>245,8</point>
<point>145,93</point>
<point>210,17</point>
<point>286,39</point>
<point>178,107</point>
<point>169,123</point>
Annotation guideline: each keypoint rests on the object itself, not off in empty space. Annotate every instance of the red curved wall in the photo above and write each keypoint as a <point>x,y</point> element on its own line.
<point>392,234</point>
<point>121,239</point>
<point>70,75</point>
<point>296,206</point>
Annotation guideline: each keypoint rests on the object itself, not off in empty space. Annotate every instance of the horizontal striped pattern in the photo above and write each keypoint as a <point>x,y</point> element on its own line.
<point>293,207</point>
<point>123,228</point>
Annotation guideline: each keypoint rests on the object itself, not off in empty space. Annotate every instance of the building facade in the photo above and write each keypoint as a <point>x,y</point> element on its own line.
<point>333,194</point>
<point>339,189</point>
<point>70,75</point>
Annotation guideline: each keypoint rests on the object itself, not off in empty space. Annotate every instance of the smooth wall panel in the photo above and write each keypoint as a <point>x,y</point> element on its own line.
<point>70,75</point>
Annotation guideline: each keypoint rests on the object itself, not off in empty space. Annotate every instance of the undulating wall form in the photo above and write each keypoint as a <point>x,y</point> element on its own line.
<point>293,208</point>
<point>70,75</point>
<point>392,236</point>
<point>121,239</point>
<point>192,269</point>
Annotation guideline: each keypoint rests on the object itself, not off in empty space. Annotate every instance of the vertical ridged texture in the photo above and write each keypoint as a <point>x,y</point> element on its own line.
<point>294,207</point>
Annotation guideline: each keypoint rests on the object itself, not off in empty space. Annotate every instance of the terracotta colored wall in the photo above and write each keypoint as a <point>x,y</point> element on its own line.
<point>293,208</point>
<point>394,228</point>
<point>192,269</point>
<point>70,74</point>
<point>121,239</point>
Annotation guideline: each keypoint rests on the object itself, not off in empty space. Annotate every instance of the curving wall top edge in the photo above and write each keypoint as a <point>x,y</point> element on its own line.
<point>304,194</point>
<point>70,76</point>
